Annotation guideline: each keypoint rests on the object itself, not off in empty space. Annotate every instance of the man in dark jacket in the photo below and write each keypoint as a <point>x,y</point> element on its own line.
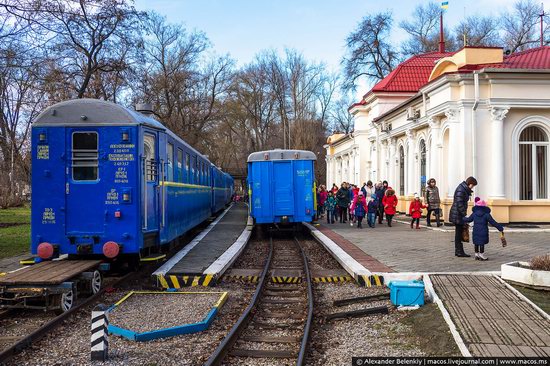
<point>342,196</point>
<point>459,210</point>
<point>380,192</point>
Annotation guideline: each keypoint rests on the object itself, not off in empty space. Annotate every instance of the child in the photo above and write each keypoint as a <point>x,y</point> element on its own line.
<point>415,210</point>
<point>359,208</point>
<point>390,203</point>
<point>481,216</point>
<point>330,206</point>
<point>372,209</point>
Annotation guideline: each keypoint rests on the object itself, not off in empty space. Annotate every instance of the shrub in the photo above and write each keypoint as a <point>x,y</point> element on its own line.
<point>541,262</point>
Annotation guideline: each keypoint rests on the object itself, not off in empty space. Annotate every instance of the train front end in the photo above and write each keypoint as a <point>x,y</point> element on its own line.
<point>85,191</point>
<point>282,186</point>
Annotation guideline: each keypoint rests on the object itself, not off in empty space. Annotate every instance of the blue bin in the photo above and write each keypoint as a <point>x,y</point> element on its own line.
<point>407,293</point>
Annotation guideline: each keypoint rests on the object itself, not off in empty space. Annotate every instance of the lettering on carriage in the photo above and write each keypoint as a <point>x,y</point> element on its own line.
<point>121,152</point>
<point>302,172</point>
<point>121,175</point>
<point>112,197</point>
<point>48,216</point>
<point>43,152</point>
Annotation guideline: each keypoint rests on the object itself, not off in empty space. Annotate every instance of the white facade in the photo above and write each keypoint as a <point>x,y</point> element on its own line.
<point>457,125</point>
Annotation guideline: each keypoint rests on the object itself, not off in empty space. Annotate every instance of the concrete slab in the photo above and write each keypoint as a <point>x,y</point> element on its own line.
<point>491,319</point>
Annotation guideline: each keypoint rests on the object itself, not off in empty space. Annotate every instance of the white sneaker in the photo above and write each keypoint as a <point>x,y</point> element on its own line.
<point>482,257</point>
<point>476,257</point>
<point>351,224</point>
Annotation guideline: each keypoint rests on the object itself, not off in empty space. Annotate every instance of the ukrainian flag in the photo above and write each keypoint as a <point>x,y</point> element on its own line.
<point>445,5</point>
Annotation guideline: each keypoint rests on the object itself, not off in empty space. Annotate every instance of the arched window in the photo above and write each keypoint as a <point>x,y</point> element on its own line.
<point>422,167</point>
<point>533,164</point>
<point>401,171</point>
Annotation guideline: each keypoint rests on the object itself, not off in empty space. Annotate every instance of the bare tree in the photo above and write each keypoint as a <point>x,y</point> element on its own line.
<point>519,26</point>
<point>370,53</point>
<point>341,119</point>
<point>84,38</point>
<point>478,31</point>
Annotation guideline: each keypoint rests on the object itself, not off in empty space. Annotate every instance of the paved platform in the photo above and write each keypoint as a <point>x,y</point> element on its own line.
<point>12,263</point>
<point>404,250</point>
<point>210,253</point>
<point>492,319</point>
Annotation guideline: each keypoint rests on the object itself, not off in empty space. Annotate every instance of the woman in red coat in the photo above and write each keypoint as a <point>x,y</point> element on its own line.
<point>415,210</point>
<point>390,203</point>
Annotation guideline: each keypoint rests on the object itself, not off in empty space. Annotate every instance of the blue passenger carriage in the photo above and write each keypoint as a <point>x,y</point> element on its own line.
<point>282,186</point>
<point>115,182</point>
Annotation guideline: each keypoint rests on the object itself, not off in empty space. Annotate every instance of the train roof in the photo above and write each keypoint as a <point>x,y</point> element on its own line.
<point>85,111</point>
<point>279,154</point>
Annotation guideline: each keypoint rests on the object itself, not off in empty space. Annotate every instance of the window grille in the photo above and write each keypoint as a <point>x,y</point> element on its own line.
<point>85,156</point>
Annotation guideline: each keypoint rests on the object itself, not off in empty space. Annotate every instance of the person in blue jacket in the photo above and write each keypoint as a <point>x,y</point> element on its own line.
<point>481,216</point>
<point>372,210</point>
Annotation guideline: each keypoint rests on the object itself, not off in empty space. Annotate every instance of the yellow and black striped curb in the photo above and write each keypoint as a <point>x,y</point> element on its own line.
<point>179,281</point>
<point>332,279</point>
<point>370,281</point>
<point>286,279</point>
<point>253,279</point>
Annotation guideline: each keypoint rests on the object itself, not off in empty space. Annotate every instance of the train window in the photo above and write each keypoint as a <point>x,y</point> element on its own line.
<point>187,168</point>
<point>170,163</point>
<point>85,156</point>
<point>179,166</point>
<point>149,151</point>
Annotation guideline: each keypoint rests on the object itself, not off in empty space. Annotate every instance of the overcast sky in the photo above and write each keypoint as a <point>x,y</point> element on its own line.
<point>317,28</point>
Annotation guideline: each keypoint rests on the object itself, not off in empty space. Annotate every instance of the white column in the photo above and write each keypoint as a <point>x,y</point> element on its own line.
<point>453,168</point>
<point>384,160</point>
<point>435,149</point>
<point>497,151</point>
<point>328,162</point>
<point>391,164</point>
<point>411,163</point>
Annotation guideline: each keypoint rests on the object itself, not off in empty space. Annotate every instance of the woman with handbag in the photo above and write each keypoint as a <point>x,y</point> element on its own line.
<point>458,212</point>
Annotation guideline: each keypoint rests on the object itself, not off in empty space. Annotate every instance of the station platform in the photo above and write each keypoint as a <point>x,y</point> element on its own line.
<point>489,318</point>
<point>399,249</point>
<point>210,253</point>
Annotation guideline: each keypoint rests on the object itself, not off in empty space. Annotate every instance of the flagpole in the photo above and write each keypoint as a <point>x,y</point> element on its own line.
<point>441,38</point>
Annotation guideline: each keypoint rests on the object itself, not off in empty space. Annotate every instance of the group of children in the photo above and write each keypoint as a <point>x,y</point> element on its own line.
<point>360,207</point>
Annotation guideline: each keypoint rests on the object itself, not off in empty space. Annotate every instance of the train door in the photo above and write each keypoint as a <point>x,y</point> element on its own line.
<point>84,179</point>
<point>283,200</point>
<point>150,185</point>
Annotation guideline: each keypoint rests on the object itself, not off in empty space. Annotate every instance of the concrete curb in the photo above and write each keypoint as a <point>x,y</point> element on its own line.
<point>432,295</point>
<point>162,270</point>
<point>224,261</point>
<point>524,298</point>
<point>354,268</point>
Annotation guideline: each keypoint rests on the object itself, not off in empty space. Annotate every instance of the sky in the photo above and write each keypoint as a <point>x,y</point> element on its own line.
<point>316,28</point>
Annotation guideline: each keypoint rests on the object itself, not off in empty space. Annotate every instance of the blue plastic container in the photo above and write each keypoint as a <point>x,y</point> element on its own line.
<point>407,293</point>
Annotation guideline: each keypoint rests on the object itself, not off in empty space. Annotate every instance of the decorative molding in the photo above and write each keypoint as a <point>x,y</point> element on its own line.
<point>499,113</point>
<point>434,123</point>
<point>410,134</point>
<point>452,114</point>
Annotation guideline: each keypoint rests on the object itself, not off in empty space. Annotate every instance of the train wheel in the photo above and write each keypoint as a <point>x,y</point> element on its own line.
<point>96,282</point>
<point>65,301</point>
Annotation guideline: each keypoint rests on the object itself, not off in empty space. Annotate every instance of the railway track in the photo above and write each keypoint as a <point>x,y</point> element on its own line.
<point>22,342</point>
<point>275,326</point>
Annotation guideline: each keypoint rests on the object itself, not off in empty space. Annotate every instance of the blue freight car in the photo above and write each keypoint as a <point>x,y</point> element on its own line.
<point>282,186</point>
<point>109,181</point>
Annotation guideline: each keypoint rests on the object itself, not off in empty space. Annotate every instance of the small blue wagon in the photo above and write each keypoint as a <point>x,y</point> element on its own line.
<point>281,186</point>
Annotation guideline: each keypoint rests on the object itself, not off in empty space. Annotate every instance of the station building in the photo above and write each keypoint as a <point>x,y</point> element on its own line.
<point>474,112</point>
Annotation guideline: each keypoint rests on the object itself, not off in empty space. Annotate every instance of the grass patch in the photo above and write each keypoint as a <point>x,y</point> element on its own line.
<point>431,331</point>
<point>16,215</point>
<point>15,240</point>
<point>540,297</point>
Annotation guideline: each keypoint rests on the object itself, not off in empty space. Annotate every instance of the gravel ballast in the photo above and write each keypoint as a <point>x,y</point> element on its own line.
<point>170,310</point>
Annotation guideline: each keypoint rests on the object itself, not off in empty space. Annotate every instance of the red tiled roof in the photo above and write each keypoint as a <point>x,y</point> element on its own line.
<point>410,75</point>
<point>534,58</point>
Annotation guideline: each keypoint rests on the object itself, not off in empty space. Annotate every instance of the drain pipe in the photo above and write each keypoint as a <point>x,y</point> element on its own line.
<point>474,109</point>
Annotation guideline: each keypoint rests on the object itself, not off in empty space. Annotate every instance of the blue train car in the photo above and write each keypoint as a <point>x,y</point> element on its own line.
<point>109,181</point>
<point>281,186</point>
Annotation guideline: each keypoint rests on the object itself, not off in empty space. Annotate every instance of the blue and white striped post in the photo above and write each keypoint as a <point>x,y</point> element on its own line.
<point>100,324</point>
